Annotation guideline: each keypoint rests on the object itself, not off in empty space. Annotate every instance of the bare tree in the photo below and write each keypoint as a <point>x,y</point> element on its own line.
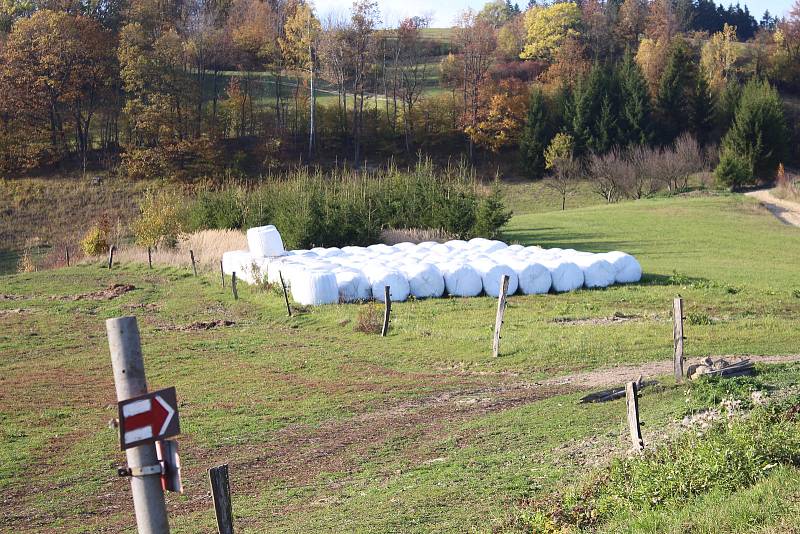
<point>475,39</point>
<point>565,178</point>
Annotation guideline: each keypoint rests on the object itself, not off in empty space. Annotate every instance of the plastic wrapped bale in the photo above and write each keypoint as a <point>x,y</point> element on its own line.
<point>380,248</point>
<point>331,252</point>
<point>439,248</point>
<point>380,276</point>
<point>456,244</point>
<point>491,273</point>
<point>461,279</point>
<point>353,285</point>
<point>351,250</point>
<point>516,248</point>
<point>534,278</point>
<point>234,260</point>
<point>265,241</point>
<point>424,280</point>
<point>597,272</point>
<point>565,275</point>
<point>627,268</point>
<point>404,246</point>
<point>312,287</point>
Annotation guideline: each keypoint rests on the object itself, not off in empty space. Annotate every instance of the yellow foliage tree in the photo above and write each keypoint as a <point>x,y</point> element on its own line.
<point>502,118</point>
<point>719,56</point>
<point>548,27</point>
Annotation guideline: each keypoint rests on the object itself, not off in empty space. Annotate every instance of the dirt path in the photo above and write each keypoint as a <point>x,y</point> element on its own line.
<point>616,376</point>
<point>786,211</point>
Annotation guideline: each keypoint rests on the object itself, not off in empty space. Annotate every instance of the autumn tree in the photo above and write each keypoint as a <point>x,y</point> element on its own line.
<point>411,70</point>
<point>299,45</point>
<point>548,28</point>
<point>718,58</point>
<point>57,73</point>
<point>501,116</point>
<point>631,22</point>
<point>476,43</point>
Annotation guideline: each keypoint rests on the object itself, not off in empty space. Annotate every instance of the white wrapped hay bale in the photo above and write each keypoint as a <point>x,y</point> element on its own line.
<point>264,241</point>
<point>380,276</point>
<point>425,280</point>
<point>461,279</point>
<point>534,278</point>
<point>353,285</point>
<point>312,287</point>
<point>491,272</point>
<point>404,246</point>
<point>380,248</point>
<point>627,269</point>
<point>233,260</point>
<point>597,272</point>
<point>566,276</point>
<point>456,244</point>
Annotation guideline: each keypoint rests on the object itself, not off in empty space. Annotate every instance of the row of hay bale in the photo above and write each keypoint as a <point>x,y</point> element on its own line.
<point>425,270</point>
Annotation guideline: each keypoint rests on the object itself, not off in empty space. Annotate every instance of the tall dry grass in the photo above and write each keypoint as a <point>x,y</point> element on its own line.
<point>392,236</point>
<point>207,245</point>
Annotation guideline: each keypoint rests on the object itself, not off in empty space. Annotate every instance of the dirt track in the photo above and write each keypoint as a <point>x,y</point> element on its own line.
<point>786,211</point>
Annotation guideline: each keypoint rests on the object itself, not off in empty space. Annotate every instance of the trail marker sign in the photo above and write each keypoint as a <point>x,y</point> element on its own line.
<point>148,418</point>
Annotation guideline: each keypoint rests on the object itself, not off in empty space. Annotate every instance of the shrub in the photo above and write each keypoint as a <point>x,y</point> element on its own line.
<point>160,219</point>
<point>733,170</point>
<point>370,319</point>
<point>492,215</point>
<point>96,240</point>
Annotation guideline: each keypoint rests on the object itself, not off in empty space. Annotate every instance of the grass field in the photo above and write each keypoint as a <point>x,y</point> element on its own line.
<point>329,430</point>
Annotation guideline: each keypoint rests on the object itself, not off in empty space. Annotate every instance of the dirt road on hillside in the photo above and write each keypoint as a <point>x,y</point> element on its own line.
<point>786,211</point>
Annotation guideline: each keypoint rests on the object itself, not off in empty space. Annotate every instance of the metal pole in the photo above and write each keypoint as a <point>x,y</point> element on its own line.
<point>129,380</point>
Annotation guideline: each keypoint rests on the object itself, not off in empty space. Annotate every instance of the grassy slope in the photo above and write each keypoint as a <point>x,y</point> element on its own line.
<point>329,430</point>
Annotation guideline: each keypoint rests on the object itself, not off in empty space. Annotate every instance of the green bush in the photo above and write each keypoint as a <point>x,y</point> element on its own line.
<point>492,215</point>
<point>733,170</point>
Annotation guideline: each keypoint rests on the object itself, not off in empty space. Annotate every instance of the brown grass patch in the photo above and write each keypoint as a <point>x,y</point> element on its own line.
<point>370,319</point>
<point>207,245</point>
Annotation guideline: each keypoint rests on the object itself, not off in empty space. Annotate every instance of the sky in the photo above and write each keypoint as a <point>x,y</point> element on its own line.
<point>443,12</point>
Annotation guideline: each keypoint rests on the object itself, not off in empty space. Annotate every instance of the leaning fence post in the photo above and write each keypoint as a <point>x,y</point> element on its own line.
<point>677,337</point>
<point>632,403</point>
<point>222,273</point>
<point>129,380</point>
<point>387,299</point>
<point>233,286</point>
<point>501,310</point>
<point>285,294</point>
<point>66,255</point>
<point>111,255</point>
<point>221,493</point>
<point>149,258</point>
<point>194,265</point>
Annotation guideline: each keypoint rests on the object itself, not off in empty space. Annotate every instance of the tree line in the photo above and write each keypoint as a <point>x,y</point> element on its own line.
<point>199,88</point>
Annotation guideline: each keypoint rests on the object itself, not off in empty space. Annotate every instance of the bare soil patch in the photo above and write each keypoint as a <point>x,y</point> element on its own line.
<point>111,292</point>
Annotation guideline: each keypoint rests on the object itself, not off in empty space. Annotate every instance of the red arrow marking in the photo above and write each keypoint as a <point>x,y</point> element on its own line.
<point>154,418</point>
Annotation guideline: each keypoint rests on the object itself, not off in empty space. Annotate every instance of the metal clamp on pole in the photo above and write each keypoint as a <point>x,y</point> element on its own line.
<point>145,470</point>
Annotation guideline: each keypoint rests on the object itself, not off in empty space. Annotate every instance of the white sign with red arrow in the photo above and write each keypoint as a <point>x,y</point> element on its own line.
<point>148,418</point>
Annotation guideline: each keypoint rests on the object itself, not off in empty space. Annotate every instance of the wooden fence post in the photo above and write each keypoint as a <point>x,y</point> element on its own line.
<point>194,265</point>
<point>285,294</point>
<point>149,258</point>
<point>501,310</point>
<point>233,286</point>
<point>222,273</point>
<point>387,299</point>
<point>632,403</point>
<point>66,255</point>
<point>221,492</point>
<point>677,337</point>
<point>111,255</point>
